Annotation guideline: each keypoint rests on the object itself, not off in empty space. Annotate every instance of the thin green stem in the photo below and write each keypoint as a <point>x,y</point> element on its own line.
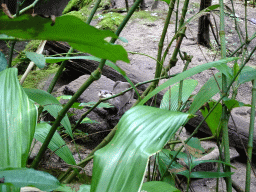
<point>159,66</point>
<point>225,116</point>
<point>250,139</point>
<point>26,8</point>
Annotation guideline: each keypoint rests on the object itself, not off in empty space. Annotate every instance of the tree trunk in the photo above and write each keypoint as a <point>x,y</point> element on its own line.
<point>203,36</point>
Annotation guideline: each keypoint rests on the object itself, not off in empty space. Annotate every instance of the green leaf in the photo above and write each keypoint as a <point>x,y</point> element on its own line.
<point>92,103</point>
<point>213,120</point>
<point>85,188</point>
<point>208,174</point>
<point>170,100</point>
<point>158,186</point>
<point>226,70</point>
<point>76,105</point>
<point>142,131</point>
<point>88,120</point>
<point>195,144</point>
<point>38,59</point>
<point>22,177</point>
<point>123,39</point>
<point>3,62</point>
<point>232,103</point>
<point>60,59</point>
<point>18,116</point>
<point>67,28</point>
<point>163,161</point>
<point>64,188</point>
<point>209,89</point>
<point>4,37</point>
<point>57,144</point>
<point>51,104</point>
<point>64,97</point>
<point>247,74</point>
<point>167,1</point>
<point>185,75</point>
<point>195,163</point>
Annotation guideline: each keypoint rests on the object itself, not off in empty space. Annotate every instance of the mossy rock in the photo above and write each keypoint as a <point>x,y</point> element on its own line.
<point>110,21</point>
<point>35,77</point>
<point>76,5</point>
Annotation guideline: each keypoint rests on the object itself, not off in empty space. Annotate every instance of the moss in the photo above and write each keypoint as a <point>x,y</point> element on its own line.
<point>145,15</point>
<point>105,4</point>
<point>35,77</point>
<point>75,5</point>
<point>21,61</point>
<point>78,14</point>
<point>110,21</point>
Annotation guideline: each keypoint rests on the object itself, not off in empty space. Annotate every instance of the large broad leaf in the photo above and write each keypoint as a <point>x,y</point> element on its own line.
<point>22,177</point>
<point>57,144</point>
<point>51,104</point>
<point>18,116</point>
<point>185,75</point>
<point>3,62</point>
<point>67,28</point>
<point>170,99</point>
<point>142,131</point>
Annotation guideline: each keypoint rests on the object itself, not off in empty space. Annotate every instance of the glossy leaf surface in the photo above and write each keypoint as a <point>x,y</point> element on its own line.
<point>22,177</point>
<point>18,116</point>
<point>3,62</point>
<point>142,131</point>
<point>170,99</point>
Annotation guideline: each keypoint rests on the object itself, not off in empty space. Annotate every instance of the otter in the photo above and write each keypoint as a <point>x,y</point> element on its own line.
<point>120,101</point>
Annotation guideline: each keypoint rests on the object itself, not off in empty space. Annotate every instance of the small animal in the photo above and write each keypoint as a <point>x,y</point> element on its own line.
<point>120,101</point>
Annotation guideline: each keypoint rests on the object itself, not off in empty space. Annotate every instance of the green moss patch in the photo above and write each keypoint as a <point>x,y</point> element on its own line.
<point>35,77</point>
<point>110,21</point>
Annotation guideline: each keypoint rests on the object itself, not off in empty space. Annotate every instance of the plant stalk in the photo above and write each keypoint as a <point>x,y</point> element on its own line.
<point>250,139</point>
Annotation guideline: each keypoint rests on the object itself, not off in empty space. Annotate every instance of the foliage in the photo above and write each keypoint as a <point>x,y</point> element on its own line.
<point>21,61</point>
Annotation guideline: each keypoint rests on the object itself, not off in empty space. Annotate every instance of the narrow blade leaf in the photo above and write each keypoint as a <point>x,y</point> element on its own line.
<point>51,104</point>
<point>57,144</point>
<point>185,75</point>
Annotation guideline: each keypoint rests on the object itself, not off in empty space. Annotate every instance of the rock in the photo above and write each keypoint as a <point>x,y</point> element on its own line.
<point>106,119</point>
